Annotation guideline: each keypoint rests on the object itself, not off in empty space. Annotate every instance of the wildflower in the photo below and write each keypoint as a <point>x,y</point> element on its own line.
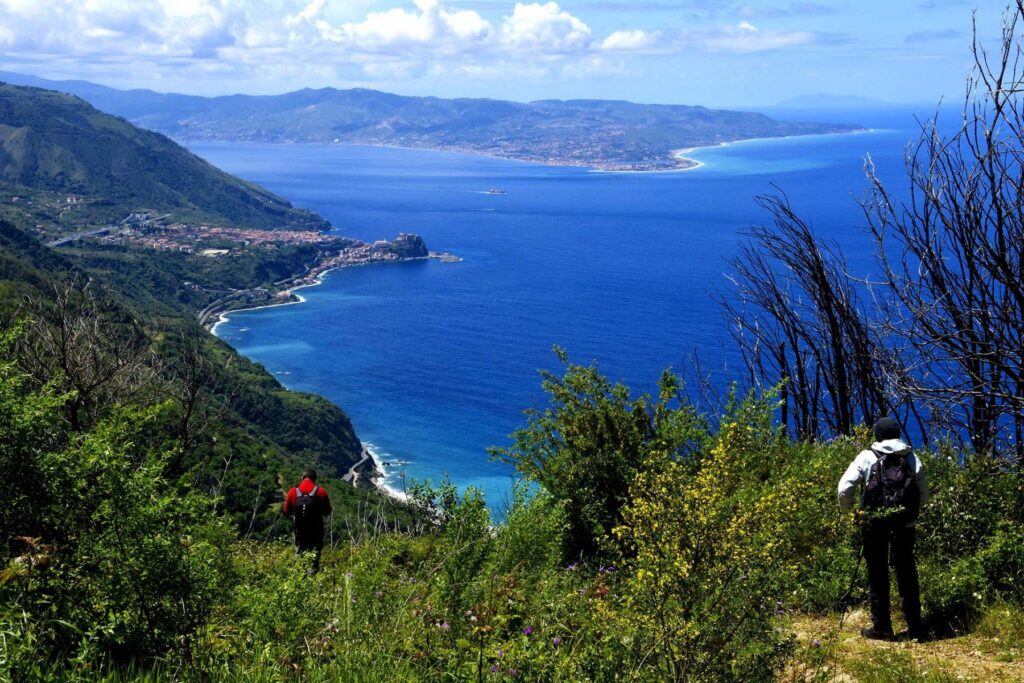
<point>512,673</point>
<point>556,641</point>
<point>444,626</point>
<point>378,594</point>
<point>348,575</point>
<point>528,630</point>
<point>501,654</point>
<point>494,669</point>
<point>816,643</point>
<point>571,566</point>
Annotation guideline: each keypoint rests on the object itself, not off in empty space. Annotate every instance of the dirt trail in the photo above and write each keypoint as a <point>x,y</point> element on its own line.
<point>970,657</point>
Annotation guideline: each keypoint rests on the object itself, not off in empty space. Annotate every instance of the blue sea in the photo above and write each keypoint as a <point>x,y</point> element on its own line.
<point>434,361</point>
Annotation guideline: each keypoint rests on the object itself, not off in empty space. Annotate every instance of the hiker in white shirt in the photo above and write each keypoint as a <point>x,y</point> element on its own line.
<point>894,487</point>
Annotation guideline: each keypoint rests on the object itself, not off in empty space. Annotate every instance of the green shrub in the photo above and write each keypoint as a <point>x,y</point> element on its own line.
<point>106,561</point>
<point>586,448</point>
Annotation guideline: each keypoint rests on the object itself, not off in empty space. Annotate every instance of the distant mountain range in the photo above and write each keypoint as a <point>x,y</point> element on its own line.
<point>58,143</point>
<point>597,133</point>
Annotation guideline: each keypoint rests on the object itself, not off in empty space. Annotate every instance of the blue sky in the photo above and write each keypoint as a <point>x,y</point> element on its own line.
<point>712,52</point>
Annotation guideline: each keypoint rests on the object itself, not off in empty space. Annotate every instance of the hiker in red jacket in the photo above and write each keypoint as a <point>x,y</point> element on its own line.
<point>308,504</point>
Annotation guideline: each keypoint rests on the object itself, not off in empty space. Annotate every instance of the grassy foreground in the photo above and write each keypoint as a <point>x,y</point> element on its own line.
<point>655,544</point>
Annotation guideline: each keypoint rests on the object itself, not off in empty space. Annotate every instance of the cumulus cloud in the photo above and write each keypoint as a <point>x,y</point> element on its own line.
<point>296,40</point>
<point>197,28</point>
<point>546,27</point>
<point>429,26</point>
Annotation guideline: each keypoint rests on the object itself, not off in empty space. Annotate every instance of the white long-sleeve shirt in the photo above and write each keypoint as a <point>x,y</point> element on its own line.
<point>859,470</point>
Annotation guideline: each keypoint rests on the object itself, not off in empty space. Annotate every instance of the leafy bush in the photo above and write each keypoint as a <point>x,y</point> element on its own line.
<point>105,560</point>
<point>710,545</point>
<point>586,448</point>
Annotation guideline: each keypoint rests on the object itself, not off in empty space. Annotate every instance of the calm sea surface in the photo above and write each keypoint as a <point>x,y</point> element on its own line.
<point>435,361</point>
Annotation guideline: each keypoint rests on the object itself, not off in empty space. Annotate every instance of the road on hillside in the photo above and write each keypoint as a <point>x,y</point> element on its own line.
<point>100,231</point>
<point>353,474</point>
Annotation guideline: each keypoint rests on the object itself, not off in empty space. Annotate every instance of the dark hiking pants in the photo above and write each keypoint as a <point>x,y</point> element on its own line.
<point>311,541</point>
<point>881,541</point>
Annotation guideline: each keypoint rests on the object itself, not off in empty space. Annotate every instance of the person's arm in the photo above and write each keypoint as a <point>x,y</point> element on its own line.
<point>289,502</point>
<point>325,501</point>
<point>848,483</point>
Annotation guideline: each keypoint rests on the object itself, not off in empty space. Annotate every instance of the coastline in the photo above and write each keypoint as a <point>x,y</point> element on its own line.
<point>379,476</point>
<point>680,154</point>
<point>225,316</point>
<point>677,156</point>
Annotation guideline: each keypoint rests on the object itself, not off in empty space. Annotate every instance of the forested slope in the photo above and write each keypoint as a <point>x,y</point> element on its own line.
<point>56,142</point>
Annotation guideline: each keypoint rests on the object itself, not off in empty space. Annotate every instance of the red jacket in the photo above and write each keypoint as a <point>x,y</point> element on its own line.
<point>306,486</point>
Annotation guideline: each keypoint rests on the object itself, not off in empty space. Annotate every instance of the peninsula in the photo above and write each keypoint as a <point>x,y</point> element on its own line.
<point>601,134</point>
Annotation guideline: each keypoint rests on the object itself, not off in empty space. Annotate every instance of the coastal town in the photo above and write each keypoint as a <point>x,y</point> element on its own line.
<point>63,221</point>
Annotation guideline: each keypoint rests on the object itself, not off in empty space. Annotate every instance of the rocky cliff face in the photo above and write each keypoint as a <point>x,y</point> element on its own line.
<point>408,245</point>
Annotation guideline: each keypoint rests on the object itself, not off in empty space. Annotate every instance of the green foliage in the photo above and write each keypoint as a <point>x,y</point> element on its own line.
<point>586,448</point>
<point>104,559</point>
<point>533,534</point>
<point>713,543</point>
<point>114,572</point>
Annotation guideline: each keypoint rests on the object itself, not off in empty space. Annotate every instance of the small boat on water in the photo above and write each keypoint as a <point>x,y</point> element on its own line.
<point>496,190</point>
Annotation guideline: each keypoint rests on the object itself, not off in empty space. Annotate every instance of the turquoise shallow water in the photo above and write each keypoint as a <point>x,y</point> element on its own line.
<point>436,361</point>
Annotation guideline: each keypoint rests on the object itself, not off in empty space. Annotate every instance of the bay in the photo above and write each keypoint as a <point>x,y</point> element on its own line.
<point>436,361</point>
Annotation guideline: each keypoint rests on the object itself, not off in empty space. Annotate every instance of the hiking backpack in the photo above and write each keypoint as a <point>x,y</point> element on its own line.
<point>306,512</point>
<point>891,489</point>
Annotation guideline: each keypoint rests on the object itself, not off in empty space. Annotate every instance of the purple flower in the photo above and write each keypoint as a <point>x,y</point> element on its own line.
<point>444,626</point>
<point>556,641</point>
<point>378,594</point>
<point>816,643</point>
<point>494,668</point>
<point>528,630</point>
<point>512,673</point>
<point>571,567</point>
<point>501,654</point>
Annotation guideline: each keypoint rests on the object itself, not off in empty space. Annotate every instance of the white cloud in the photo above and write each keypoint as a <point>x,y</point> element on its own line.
<point>630,41</point>
<point>430,27</point>
<point>547,29</point>
<point>298,42</point>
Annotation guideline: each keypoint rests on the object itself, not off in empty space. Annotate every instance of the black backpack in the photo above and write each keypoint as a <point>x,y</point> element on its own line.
<point>307,511</point>
<point>891,490</point>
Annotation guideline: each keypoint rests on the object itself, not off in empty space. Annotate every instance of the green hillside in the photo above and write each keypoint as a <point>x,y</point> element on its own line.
<point>54,142</point>
<point>245,428</point>
<point>260,427</point>
<point>599,133</point>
